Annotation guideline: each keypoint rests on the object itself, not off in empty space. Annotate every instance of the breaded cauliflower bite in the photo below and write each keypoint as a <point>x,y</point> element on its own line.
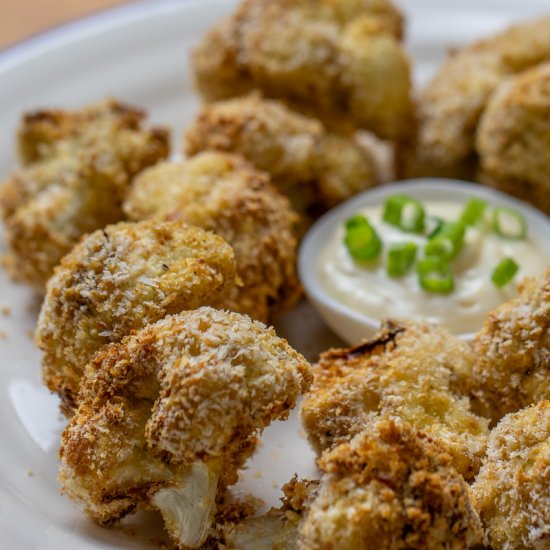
<point>392,486</point>
<point>78,166</point>
<point>119,279</point>
<point>512,490</point>
<point>340,61</point>
<point>450,107</point>
<point>41,132</point>
<point>225,194</point>
<point>513,138</point>
<point>512,369</point>
<point>167,416</point>
<point>410,370</point>
<point>316,169</point>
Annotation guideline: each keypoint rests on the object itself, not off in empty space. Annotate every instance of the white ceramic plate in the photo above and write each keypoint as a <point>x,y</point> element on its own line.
<point>139,53</point>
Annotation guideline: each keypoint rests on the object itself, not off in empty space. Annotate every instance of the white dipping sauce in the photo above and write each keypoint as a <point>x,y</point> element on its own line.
<point>368,289</point>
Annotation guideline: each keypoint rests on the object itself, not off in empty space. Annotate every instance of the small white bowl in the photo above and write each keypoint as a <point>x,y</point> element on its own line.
<point>351,325</point>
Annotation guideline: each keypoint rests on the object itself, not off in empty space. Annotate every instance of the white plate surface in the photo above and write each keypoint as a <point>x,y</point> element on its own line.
<point>140,54</point>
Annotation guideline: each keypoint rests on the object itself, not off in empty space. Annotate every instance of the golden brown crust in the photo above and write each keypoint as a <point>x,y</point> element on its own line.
<point>410,370</point>
<point>314,168</point>
<point>340,61</point>
<point>42,131</point>
<point>225,194</point>
<point>198,386</point>
<point>393,485</point>
<point>512,369</point>
<point>298,494</point>
<point>513,137</point>
<point>119,279</point>
<point>78,167</point>
<point>450,107</point>
<point>512,491</point>
<point>390,484</point>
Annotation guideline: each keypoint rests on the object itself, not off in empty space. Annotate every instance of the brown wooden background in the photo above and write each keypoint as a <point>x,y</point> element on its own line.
<point>20,19</point>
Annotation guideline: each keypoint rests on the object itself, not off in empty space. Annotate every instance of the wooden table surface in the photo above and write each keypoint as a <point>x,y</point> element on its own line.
<point>20,19</point>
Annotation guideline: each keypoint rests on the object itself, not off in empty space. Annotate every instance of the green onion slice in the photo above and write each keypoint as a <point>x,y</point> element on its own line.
<point>361,239</point>
<point>435,275</point>
<point>404,212</point>
<point>504,272</point>
<point>434,225</point>
<point>509,223</point>
<point>356,221</point>
<point>401,258</point>
<point>447,242</point>
<point>473,211</point>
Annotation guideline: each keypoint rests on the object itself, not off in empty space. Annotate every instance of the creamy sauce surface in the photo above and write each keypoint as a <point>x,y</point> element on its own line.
<point>368,289</point>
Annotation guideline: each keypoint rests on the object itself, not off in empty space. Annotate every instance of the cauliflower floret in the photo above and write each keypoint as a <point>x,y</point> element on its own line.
<point>223,193</point>
<point>513,137</point>
<point>119,279</point>
<point>411,370</point>
<point>42,133</point>
<point>513,352</point>
<point>340,61</point>
<point>512,490</point>
<point>450,107</point>
<point>316,169</point>
<point>390,484</point>
<point>394,486</point>
<point>167,416</point>
<point>78,168</point>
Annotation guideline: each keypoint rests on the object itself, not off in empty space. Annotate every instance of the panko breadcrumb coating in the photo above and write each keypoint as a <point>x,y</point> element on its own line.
<point>450,107</point>
<point>41,132</point>
<point>512,369</point>
<point>167,416</point>
<point>513,138</point>
<point>512,490</point>
<point>340,61</point>
<point>119,279</point>
<point>223,193</point>
<point>412,371</point>
<point>78,168</point>
<point>390,485</point>
<point>315,168</point>
<point>393,487</point>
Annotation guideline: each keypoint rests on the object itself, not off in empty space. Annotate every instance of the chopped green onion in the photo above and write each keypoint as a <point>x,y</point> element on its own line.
<point>361,239</point>
<point>404,212</point>
<point>435,275</point>
<point>435,224</point>
<point>504,272</point>
<point>356,221</point>
<point>447,242</point>
<point>401,258</point>
<point>473,211</point>
<point>509,223</point>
